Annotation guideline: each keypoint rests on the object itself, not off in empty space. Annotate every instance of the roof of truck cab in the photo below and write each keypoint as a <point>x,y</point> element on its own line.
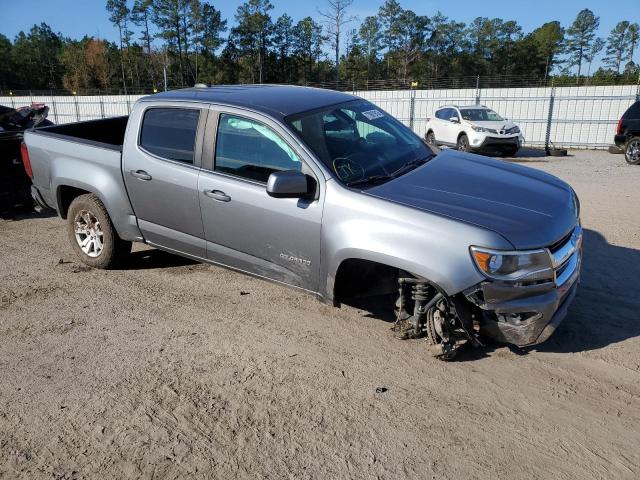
<point>275,100</point>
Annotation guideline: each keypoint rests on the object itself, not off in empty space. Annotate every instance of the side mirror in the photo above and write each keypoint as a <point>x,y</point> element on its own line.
<point>454,120</point>
<point>290,184</point>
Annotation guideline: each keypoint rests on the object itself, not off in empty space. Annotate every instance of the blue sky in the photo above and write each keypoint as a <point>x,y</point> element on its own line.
<point>74,18</point>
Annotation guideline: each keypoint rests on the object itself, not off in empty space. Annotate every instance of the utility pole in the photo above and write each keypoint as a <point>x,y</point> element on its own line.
<point>164,72</point>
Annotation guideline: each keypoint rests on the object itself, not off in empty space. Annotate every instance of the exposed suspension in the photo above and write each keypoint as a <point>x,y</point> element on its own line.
<point>434,315</point>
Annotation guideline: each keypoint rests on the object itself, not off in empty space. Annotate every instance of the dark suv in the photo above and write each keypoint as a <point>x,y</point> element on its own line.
<point>628,134</point>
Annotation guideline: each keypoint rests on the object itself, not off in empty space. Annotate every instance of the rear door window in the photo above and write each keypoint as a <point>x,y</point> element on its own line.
<point>633,112</point>
<point>170,133</point>
<point>447,113</point>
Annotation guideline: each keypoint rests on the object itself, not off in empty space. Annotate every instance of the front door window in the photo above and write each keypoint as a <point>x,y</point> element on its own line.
<point>249,149</point>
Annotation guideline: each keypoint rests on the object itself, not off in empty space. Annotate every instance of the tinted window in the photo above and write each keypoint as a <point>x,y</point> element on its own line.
<point>170,133</point>
<point>633,112</point>
<point>446,114</point>
<point>480,115</point>
<point>250,149</point>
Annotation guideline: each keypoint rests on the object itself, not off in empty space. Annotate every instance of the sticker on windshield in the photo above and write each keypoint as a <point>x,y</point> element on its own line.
<point>373,114</point>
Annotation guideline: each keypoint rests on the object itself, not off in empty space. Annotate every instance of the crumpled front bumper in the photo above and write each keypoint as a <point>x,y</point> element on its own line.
<point>528,315</point>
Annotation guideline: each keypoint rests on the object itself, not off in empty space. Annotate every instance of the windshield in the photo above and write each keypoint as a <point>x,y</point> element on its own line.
<point>480,115</point>
<point>358,141</point>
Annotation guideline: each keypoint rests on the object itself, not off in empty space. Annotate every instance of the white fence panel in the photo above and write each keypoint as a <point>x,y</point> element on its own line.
<point>581,116</point>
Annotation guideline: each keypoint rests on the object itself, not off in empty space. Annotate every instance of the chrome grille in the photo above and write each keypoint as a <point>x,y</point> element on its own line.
<point>565,257</point>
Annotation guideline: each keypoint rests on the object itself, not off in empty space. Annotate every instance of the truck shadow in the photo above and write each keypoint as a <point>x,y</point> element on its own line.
<point>153,258</point>
<point>606,309</point>
<point>23,212</point>
<point>528,154</point>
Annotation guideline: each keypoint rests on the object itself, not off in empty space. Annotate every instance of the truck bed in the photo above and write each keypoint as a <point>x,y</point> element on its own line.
<point>85,156</point>
<point>104,133</point>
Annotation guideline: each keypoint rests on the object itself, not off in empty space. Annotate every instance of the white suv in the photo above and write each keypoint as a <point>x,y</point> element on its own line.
<point>473,127</point>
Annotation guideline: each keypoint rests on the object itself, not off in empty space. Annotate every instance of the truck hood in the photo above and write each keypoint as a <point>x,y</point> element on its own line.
<point>529,208</point>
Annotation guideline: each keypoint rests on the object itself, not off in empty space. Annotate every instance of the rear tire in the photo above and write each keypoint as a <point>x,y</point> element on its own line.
<point>632,151</point>
<point>463,143</point>
<point>431,139</point>
<point>92,235</point>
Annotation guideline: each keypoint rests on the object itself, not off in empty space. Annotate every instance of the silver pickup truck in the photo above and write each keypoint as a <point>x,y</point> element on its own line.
<point>325,192</point>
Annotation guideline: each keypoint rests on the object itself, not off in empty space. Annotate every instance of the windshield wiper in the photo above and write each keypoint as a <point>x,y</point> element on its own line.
<point>371,179</point>
<point>411,164</point>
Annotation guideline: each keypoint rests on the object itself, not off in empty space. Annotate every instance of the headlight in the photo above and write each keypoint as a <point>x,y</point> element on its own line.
<point>482,129</point>
<point>513,130</point>
<point>532,265</point>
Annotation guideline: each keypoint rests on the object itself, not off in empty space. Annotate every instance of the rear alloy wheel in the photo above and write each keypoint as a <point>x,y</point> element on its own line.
<point>463,143</point>
<point>92,235</point>
<point>431,139</point>
<point>632,151</point>
<point>89,234</point>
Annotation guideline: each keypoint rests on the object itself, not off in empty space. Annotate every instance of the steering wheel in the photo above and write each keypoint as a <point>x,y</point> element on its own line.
<point>348,169</point>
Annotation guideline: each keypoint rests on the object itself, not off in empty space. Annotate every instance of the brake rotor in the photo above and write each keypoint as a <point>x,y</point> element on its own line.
<point>435,327</point>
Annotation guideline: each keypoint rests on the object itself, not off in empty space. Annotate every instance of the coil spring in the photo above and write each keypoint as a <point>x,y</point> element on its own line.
<point>420,292</point>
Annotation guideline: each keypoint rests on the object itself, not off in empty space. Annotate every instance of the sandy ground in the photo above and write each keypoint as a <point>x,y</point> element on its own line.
<point>172,369</point>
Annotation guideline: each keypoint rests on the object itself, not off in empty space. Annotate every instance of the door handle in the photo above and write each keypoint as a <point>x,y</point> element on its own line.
<point>141,174</point>
<point>217,195</point>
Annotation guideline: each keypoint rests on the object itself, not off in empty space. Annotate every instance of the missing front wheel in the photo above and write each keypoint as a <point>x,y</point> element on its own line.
<point>433,316</point>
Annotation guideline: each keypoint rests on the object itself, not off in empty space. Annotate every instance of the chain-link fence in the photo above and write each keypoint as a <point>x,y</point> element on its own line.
<point>568,116</point>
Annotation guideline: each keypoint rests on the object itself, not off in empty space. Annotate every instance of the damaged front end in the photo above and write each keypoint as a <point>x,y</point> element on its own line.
<point>527,310</point>
<point>524,299</point>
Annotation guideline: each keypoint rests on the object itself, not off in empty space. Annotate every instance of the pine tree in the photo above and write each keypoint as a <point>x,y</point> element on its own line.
<point>590,55</point>
<point>371,37</point>
<point>119,15</point>
<point>308,39</point>
<point>252,34</point>
<point>167,16</point>
<point>580,36</point>
<point>633,33</point>
<point>617,46</point>
<point>141,16</point>
<point>283,44</point>
<point>548,39</point>
<point>389,13</point>
<point>412,30</point>
<point>336,17</point>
